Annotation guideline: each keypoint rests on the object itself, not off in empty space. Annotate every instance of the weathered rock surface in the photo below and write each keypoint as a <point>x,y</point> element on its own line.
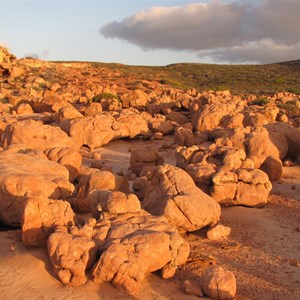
<point>91,181</point>
<point>27,170</point>
<point>249,187</point>
<point>218,283</point>
<point>68,158</point>
<point>141,158</point>
<point>218,232</point>
<point>129,244</point>
<point>71,254</point>
<point>35,135</point>
<point>41,216</point>
<point>171,192</point>
<point>91,131</point>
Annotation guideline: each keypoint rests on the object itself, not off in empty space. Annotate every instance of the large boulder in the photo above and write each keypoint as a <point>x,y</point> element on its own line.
<point>68,158</point>
<point>249,187</point>
<point>91,131</point>
<point>134,244</point>
<point>186,137</point>
<point>130,123</point>
<point>171,192</point>
<point>41,216</point>
<point>213,113</point>
<point>279,140</point>
<point>51,104</point>
<point>72,253</point>
<point>93,180</point>
<point>22,171</point>
<point>36,135</point>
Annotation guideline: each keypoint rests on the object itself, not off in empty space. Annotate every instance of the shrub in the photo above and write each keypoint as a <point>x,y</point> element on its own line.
<point>259,102</point>
<point>104,96</point>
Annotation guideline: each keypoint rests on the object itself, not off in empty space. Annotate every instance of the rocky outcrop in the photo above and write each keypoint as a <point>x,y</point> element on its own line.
<point>41,216</point>
<point>91,182</point>
<point>72,253</point>
<point>249,187</point>
<point>68,158</point>
<point>171,192</point>
<point>24,171</point>
<point>129,245</point>
<point>36,135</point>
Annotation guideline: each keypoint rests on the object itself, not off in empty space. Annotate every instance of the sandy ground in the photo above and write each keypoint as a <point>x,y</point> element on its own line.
<point>263,250</point>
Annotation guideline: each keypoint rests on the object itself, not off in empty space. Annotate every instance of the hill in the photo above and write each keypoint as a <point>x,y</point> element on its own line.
<point>239,79</point>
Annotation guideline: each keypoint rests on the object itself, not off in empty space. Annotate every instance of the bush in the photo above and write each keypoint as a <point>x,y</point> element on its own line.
<point>259,102</point>
<point>104,96</point>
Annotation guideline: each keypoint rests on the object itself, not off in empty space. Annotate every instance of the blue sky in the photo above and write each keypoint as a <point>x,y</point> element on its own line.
<point>178,31</point>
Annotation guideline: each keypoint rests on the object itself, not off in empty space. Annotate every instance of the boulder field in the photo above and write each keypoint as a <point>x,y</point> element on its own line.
<point>104,226</point>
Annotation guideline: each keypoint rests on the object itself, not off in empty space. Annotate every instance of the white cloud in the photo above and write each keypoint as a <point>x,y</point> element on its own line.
<point>262,31</point>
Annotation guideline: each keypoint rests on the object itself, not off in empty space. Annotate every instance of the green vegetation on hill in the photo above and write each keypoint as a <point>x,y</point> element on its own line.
<point>239,79</point>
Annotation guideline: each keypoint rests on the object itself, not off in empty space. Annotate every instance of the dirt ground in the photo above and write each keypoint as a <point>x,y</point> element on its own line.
<point>263,250</point>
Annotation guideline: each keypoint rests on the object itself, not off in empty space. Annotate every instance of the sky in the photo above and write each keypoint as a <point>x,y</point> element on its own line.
<point>146,32</point>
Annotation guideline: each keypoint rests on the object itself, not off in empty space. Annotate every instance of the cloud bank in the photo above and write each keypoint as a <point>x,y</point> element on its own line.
<point>243,31</point>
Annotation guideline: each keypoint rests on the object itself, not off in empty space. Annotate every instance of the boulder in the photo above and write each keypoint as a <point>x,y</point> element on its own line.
<point>50,104</point>
<point>160,124</point>
<point>171,192</point>
<point>36,135</point>
<point>141,158</point>
<point>41,216</point>
<point>279,140</point>
<point>249,187</point>
<point>91,131</point>
<point>218,283</point>
<point>68,158</point>
<point>213,113</point>
<point>130,123</point>
<point>72,253</point>
<point>67,113</point>
<point>93,180</point>
<point>129,245</point>
<point>24,170</point>
<point>186,137</point>
<point>218,232</point>
<point>273,167</point>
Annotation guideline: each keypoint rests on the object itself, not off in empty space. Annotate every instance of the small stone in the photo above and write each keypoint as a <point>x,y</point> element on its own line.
<point>218,232</point>
<point>192,288</point>
<point>97,155</point>
<point>288,163</point>
<point>158,136</point>
<point>218,283</point>
<point>12,248</point>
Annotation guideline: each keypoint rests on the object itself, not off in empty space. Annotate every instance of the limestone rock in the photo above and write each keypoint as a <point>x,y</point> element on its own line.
<point>171,192</point>
<point>273,167</point>
<point>129,244</point>
<point>218,283</point>
<point>218,232</point>
<point>41,216</point>
<point>71,255</point>
<point>141,158</point>
<point>35,135</point>
<point>94,180</point>
<point>68,158</point>
<point>27,170</point>
<point>91,131</point>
